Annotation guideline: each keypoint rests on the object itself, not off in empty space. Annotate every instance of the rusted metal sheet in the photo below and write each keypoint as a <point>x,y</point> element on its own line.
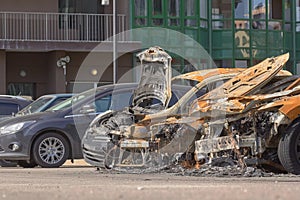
<point>204,74</point>
<point>237,105</point>
<point>289,106</point>
<point>294,84</point>
<point>251,79</point>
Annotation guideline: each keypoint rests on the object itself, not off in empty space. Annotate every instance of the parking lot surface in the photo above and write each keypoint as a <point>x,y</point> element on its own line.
<point>79,181</point>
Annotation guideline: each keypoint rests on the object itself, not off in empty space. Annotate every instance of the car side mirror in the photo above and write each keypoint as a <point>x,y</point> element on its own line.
<point>86,109</point>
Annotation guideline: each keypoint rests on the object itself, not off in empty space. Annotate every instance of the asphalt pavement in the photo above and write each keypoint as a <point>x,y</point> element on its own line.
<point>82,182</point>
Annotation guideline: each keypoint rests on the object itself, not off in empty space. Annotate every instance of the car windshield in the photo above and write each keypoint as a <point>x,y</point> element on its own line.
<point>75,99</point>
<point>35,106</point>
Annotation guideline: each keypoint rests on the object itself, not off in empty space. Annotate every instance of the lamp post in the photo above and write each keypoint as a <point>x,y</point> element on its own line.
<point>115,41</point>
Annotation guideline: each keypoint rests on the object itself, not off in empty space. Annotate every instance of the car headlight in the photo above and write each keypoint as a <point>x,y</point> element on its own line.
<point>13,128</point>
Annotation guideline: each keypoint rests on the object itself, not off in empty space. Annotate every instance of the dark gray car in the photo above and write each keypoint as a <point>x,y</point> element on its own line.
<point>50,138</point>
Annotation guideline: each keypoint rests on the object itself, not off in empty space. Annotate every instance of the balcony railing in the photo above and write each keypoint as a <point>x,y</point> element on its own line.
<point>64,27</point>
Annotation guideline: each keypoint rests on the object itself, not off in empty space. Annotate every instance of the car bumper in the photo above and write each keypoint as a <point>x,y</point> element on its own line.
<point>94,150</point>
<point>13,147</point>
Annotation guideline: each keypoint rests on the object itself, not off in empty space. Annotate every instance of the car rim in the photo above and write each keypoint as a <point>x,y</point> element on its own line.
<point>51,150</point>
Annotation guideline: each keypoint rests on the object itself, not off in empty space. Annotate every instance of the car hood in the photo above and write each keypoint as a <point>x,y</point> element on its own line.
<point>30,117</point>
<point>154,89</point>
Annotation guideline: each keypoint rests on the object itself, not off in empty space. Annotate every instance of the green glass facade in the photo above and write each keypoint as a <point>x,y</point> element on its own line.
<point>236,33</point>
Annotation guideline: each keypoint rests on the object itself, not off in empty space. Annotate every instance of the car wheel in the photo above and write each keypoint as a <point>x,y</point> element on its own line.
<point>27,164</point>
<point>7,163</point>
<point>50,150</point>
<point>289,149</point>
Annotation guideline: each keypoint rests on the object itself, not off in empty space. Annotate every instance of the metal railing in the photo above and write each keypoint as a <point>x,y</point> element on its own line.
<point>26,26</point>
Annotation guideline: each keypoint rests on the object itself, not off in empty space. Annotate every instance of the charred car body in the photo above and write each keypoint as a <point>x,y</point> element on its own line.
<point>250,119</point>
<point>203,81</point>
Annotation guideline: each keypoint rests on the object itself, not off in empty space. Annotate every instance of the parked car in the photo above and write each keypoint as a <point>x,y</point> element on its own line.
<point>10,105</point>
<point>49,138</point>
<point>43,103</point>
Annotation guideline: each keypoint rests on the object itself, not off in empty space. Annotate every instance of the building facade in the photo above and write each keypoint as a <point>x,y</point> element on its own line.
<point>34,34</point>
<point>236,33</point>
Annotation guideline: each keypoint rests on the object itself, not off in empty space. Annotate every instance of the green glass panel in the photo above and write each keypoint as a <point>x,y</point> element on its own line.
<point>297,55</point>
<point>157,7</point>
<point>157,22</point>
<point>242,39</point>
<point>242,53</point>
<point>259,53</point>
<point>274,53</point>
<point>173,8</point>
<point>203,38</point>
<point>140,7</point>
<point>222,39</point>
<point>140,21</point>
<point>298,41</point>
<point>275,39</point>
<point>192,33</point>
<point>174,22</point>
<point>258,39</point>
<point>288,42</point>
<point>222,53</point>
<point>190,7</point>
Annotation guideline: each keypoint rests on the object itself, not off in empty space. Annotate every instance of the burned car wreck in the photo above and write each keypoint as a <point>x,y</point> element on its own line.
<point>97,135</point>
<point>251,119</point>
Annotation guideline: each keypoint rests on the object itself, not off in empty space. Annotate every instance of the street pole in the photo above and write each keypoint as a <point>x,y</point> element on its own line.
<point>115,41</point>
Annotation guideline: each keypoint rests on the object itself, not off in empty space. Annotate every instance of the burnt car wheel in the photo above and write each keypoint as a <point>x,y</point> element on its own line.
<point>50,150</point>
<point>27,164</point>
<point>289,149</point>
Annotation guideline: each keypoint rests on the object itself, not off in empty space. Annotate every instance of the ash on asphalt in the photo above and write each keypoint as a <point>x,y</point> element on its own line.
<point>215,171</point>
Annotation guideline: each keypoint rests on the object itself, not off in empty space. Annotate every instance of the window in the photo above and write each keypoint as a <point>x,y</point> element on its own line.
<point>103,104</point>
<point>121,100</point>
<point>140,8</point>
<point>275,15</point>
<point>221,14</point>
<point>190,13</point>
<point>241,9</point>
<point>67,6</point>
<point>258,14</point>
<point>241,12</point>
<point>203,13</point>
<point>174,12</point>
<point>27,89</point>
<point>157,12</point>
<point>8,108</point>
<point>157,7</point>
<point>57,101</point>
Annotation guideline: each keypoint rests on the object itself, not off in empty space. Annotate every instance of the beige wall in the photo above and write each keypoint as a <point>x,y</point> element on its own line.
<point>29,5</point>
<point>41,69</point>
<point>35,66</point>
<point>56,78</point>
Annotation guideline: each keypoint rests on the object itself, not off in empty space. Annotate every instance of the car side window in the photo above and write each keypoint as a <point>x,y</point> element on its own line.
<point>57,101</point>
<point>8,108</point>
<point>102,104</point>
<point>121,100</point>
